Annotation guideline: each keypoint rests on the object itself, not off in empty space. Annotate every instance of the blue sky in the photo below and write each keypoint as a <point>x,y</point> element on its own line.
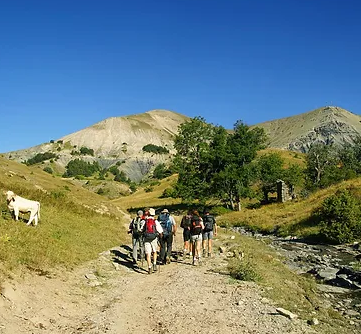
<point>65,65</point>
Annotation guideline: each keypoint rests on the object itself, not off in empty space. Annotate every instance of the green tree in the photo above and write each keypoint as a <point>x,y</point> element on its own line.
<point>213,163</point>
<point>270,169</point>
<point>236,152</point>
<point>322,166</point>
<point>192,145</point>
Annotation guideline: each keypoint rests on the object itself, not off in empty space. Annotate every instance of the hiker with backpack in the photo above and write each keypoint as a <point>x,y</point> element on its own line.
<point>169,227</point>
<point>151,230</point>
<point>136,229</point>
<point>186,223</point>
<point>196,236</point>
<point>210,229</point>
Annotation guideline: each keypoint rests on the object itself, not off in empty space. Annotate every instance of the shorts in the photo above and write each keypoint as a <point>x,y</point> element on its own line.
<point>150,246</point>
<point>197,237</point>
<point>186,235</point>
<point>207,235</point>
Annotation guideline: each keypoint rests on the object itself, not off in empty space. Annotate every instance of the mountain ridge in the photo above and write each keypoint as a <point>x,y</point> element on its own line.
<point>122,138</point>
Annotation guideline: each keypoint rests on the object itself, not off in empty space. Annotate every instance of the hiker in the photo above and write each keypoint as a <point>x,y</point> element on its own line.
<point>136,229</point>
<point>152,230</point>
<point>196,236</point>
<point>210,229</point>
<point>186,226</point>
<point>169,227</point>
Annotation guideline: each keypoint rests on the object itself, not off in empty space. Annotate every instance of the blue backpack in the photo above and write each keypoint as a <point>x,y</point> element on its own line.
<point>166,223</point>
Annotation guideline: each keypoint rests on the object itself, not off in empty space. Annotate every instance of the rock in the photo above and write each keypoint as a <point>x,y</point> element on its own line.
<point>222,249</point>
<point>332,289</point>
<point>286,313</point>
<point>313,322</point>
<point>91,276</point>
<point>230,254</point>
<point>327,273</point>
<point>351,313</point>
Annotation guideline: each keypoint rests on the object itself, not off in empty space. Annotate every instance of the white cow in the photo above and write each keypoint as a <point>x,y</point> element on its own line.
<point>18,204</point>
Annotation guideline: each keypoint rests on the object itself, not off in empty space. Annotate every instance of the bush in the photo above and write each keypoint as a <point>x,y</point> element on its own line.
<point>100,191</point>
<point>340,218</point>
<point>80,167</point>
<point>161,172</point>
<point>133,187</point>
<point>168,192</point>
<point>148,189</point>
<point>242,270</point>
<point>151,148</point>
<point>40,157</point>
<point>86,151</point>
<point>48,170</point>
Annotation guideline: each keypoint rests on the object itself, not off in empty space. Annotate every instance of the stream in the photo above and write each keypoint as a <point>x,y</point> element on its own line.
<point>336,269</point>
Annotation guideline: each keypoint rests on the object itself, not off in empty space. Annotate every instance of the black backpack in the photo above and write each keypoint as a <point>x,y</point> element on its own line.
<point>208,221</point>
<point>186,222</point>
<point>196,227</point>
<point>137,227</point>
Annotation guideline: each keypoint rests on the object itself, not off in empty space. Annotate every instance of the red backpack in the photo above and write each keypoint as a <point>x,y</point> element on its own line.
<point>150,230</point>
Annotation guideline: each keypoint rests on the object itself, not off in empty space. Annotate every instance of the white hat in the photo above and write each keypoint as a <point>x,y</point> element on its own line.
<point>165,211</point>
<point>151,212</point>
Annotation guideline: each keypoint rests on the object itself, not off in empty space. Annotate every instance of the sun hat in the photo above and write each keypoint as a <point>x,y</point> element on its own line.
<point>165,211</point>
<point>151,212</point>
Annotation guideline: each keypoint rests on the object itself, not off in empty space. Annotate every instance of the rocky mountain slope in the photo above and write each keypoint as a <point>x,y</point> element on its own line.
<point>115,139</point>
<point>326,125</point>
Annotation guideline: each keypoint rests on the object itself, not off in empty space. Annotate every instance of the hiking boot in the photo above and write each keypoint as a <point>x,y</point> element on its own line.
<point>204,252</point>
<point>167,260</point>
<point>154,267</point>
<point>209,254</point>
<point>149,271</point>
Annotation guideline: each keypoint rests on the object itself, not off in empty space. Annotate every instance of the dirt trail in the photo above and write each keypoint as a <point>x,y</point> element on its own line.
<point>119,298</point>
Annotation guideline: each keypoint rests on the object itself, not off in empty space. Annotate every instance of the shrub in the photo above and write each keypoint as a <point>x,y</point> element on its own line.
<point>168,192</point>
<point>133,187</point>
<point>242,270</point>
<point>340,218</point>
<point>86,151</point>
<point>40,157</point>
<point>48,170</point>
<point>52,141</point>
<point>80,167</point>
<point>161,172</point>
<point>151,148</point>
<point>148,189</point>
<point>100,191</point>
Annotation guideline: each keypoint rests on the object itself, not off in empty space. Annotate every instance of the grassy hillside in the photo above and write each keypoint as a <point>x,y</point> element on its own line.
<point>75,224</point>
<point>287,218</point>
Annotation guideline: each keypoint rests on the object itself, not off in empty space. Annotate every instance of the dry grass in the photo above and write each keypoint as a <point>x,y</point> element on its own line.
<point>70,230</point>
<point>289,217</point>
<point>143,199</point>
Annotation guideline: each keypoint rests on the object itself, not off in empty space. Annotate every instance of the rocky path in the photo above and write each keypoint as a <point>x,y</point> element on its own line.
<point>111,296</point>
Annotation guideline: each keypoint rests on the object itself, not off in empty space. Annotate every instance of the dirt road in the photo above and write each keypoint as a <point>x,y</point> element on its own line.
<point>111,296</point>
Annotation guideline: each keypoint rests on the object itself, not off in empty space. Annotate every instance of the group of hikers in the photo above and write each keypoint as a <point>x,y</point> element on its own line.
<point>152,235</point>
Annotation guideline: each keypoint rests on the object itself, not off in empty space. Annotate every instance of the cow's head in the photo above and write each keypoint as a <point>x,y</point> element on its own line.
<point>10,196</point>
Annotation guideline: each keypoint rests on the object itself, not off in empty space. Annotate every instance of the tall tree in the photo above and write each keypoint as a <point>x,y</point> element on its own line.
<point>192,145</point>
<point>270,169</point>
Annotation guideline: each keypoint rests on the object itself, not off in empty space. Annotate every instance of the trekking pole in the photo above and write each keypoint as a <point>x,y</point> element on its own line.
<point>142,253</point>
